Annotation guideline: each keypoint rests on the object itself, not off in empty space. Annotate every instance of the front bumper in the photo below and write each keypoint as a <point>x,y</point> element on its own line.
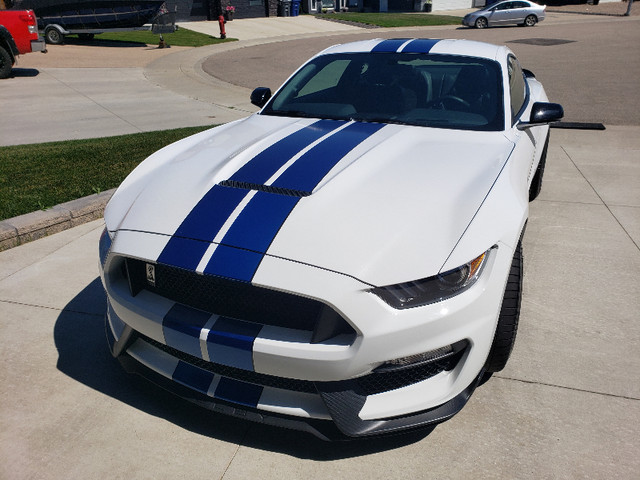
<point>343,400</point>
<point>468,22</point>
<point>280,372</point>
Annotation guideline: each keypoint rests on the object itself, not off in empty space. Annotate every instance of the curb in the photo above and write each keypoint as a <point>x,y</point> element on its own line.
<point>32,226</point>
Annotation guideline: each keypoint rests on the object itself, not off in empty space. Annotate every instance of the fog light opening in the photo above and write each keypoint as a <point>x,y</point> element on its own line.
<point>422,358</point>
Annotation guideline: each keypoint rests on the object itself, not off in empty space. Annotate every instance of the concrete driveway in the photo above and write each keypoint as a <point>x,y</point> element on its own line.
<point>566,406</point>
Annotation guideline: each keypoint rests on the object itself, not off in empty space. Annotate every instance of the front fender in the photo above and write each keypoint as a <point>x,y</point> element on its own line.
<point>499,220</point>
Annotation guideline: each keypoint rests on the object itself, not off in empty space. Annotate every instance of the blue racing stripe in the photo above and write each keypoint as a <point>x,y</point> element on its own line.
<point>252,233</point>
<point>260,221</point>
<point>202,223</point>
<point>389,45</point>
<point>234,263</point>
<point>420,45</point>
<point>238,392</point>
<point>313,166</point>
<point>193,377</point>
<point>183,252</point>
<point>270,160</point>
<point>230,342</point>
<point>234,333</point>
<point>181,327</point>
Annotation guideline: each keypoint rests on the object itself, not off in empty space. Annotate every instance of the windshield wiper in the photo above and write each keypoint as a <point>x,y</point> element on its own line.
<point>301,114</point>
<point>365,119</point>
<point>289,113</point>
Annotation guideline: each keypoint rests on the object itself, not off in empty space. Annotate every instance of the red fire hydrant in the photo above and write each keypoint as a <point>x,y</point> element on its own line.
<point>221,22</point>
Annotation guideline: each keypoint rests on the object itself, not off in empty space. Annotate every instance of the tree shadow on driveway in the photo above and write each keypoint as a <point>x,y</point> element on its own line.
<point>83,355</point>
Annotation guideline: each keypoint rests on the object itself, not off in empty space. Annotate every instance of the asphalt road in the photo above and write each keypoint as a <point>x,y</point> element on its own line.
<point>590,65</point>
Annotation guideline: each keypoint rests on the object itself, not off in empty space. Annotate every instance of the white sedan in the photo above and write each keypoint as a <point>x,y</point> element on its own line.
<point>348,260</point>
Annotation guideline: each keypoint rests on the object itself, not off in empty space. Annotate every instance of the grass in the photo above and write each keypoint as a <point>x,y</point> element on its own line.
<point>180,38</point>
<point>39,176</point>
<point>389,20</point>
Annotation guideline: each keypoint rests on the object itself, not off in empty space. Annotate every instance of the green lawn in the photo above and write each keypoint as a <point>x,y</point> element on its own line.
<point>180,38</point>
<point>35,177</point>
<point>389,20</point>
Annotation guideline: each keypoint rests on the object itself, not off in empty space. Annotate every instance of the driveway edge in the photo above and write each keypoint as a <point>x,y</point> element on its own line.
<point>32,226</point>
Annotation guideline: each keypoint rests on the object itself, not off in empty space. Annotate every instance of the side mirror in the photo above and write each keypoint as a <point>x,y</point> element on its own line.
<point>260,96</point>
<point>542,113</point>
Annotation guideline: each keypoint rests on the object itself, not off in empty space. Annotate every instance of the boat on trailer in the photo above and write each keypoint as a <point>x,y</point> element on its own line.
<point>78,14</point>
<point>87,17</point>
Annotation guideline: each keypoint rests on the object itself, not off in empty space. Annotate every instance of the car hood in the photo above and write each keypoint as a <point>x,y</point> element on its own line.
<point>387,204</point>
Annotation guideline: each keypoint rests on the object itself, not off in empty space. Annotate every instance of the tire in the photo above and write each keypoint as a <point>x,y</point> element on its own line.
<point>6,63</point>
<point>530,21</point>
<point>86,36</point>
<point>53,36</point>
<point>481,23</point>
<point>507,327</point>
<point>536,183</point>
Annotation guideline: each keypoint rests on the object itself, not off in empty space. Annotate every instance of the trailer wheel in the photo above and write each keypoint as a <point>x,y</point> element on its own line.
<point>53,36</point>
<point>6,62</point>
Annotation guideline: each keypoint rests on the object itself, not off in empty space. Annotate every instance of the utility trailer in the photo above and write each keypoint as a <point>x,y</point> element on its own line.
<point>54,33</point>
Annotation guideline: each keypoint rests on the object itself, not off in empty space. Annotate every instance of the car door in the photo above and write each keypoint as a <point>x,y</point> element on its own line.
<point>500,14</point>
<point>518,12</point>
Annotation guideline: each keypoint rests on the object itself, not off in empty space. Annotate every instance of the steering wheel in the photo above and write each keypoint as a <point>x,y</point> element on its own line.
<point>453,101</point>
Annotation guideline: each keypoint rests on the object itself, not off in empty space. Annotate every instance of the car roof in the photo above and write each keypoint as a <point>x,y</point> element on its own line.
<point>487,7</point>
<point>468,48</point>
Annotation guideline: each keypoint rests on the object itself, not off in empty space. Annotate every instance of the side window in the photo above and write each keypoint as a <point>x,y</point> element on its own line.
<point>517,87</point>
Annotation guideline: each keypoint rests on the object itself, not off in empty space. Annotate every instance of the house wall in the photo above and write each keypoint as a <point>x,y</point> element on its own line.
<point>206,9</point>
<point>199,9</point>
<point>438,5</point>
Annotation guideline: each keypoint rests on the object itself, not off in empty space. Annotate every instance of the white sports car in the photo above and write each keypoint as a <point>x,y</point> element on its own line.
<point>348,260</point>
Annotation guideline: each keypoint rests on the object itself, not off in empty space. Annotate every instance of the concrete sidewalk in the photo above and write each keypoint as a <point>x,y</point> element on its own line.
<point>270,27</point>
<point>566,406</point>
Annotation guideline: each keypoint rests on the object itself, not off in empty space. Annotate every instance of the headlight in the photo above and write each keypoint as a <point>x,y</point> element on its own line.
<point>104,246</point>
<point>433,289</point>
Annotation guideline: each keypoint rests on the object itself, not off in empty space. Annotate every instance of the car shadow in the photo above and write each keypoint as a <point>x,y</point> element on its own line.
<point>83,355</point>
<point>24,72</point>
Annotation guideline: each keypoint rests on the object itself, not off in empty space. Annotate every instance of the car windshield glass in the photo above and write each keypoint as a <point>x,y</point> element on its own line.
<point>414,89</point>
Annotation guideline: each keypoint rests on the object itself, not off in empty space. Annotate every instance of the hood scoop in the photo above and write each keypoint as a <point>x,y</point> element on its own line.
<point>265,188</point>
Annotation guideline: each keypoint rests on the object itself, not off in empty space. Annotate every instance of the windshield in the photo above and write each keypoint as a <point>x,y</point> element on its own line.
<point>414,89</point>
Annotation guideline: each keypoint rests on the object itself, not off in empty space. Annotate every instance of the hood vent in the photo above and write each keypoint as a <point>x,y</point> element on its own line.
<point>264,188</point>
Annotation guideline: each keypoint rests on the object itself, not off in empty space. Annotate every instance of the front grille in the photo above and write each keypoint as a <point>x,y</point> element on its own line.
<point>237,373</point>
<point>239,300</point>
<point>378,382</point>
